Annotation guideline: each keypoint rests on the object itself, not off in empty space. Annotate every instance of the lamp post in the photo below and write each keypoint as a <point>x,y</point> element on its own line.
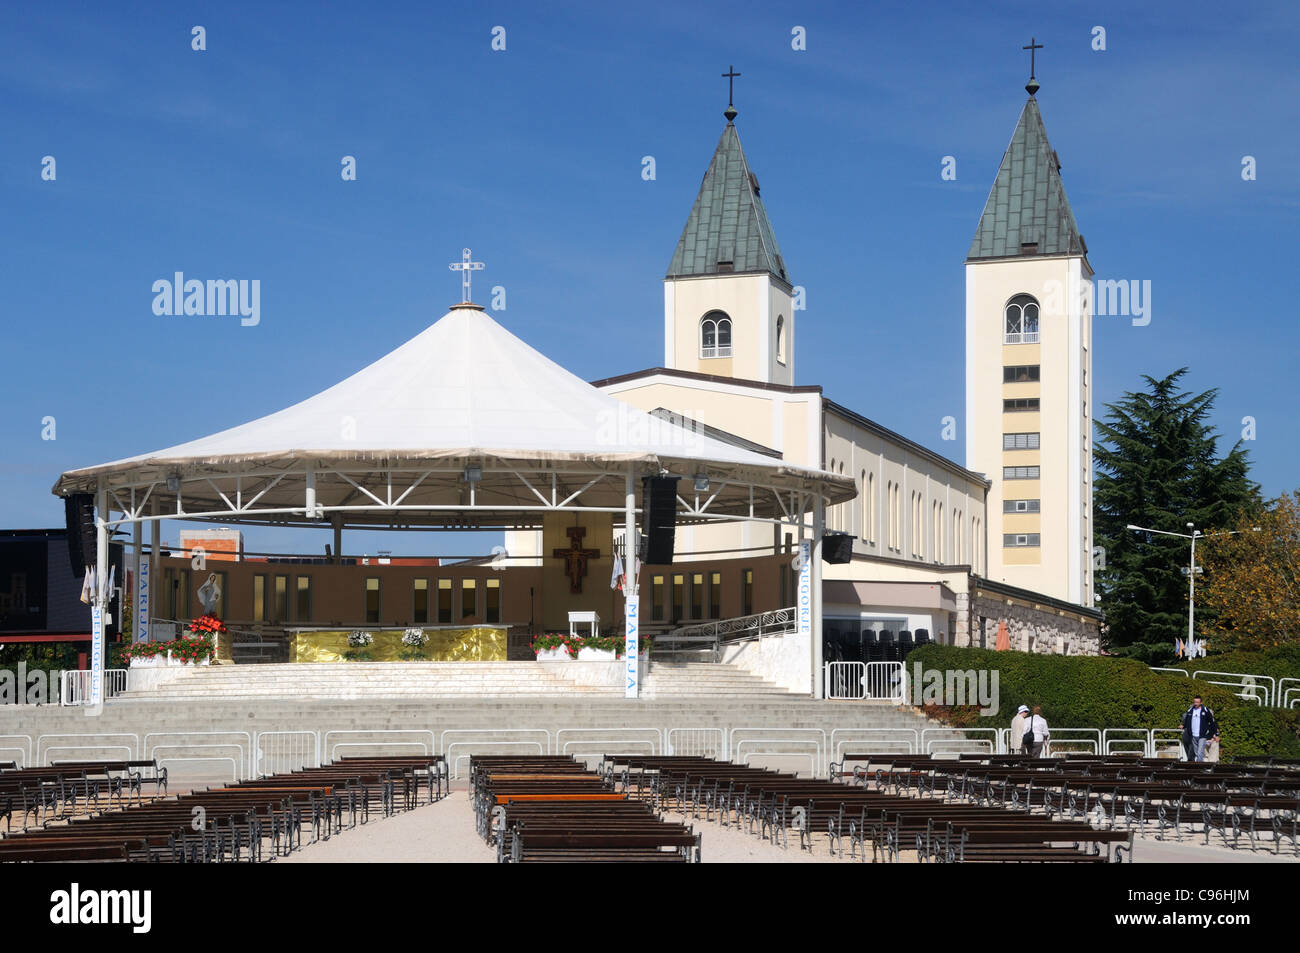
<point>1193,535</point>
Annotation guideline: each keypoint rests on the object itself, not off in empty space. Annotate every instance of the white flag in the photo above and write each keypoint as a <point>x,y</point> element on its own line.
<point>616,574</point>
<point>88,586</point>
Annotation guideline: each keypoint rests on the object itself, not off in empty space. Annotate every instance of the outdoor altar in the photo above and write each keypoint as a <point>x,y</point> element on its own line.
<point>479,643</point>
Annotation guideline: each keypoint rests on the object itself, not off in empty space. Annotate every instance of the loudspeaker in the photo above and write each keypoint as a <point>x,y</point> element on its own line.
<point>79,518</point>
<point>837,547</point>
<point>659,504</point>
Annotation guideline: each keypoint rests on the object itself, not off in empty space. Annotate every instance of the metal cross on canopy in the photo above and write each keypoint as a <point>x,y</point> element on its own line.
<point>465,266</point>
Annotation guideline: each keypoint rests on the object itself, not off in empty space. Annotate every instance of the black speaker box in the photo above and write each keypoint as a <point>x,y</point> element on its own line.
<point>659,506</point>
<point>837,547</point>
<point>79,517</point>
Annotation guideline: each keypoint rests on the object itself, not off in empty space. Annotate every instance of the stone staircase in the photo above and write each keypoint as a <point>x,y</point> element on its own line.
<point>359,680</point>
<point>207,723</point>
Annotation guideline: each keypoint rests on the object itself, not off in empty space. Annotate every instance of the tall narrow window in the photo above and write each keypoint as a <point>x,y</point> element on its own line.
<point>1022,320</point>
<point>697,595</point>
<point>715,595</point>
<point>259,598</point>
<point>715,335</point>
<point>780,338</point>
<point>444,601</point>
<point>492,600</point>
<point>420,601</point>
<point>656,598</point>
<point>468,598</point>
<point>281,602</point>
<point>679,596</point>
<point>372,600</point>
<point>747,592</point>
<point>302,608</point>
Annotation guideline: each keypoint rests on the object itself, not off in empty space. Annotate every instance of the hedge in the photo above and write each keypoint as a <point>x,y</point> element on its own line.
<point>1103,692</point>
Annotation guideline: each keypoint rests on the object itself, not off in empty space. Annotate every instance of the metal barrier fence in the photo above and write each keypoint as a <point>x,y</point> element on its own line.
<point>277,752</point>
<point>865,681</point>
<point>273,751</point>
<point>1264,690</point>
<point>697,742</point>
<point>796,743</point>
<point>74,685</point>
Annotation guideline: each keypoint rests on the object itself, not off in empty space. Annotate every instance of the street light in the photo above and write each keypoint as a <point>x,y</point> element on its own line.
<point>1194,535</point>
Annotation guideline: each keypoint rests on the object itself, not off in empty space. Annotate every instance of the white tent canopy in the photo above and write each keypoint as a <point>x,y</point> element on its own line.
<point>391,445</point>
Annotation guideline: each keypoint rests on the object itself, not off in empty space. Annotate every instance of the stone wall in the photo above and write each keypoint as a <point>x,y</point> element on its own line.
<point>1045,631</point>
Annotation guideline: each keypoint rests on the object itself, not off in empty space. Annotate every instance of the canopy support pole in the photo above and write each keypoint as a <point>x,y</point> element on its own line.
<point>819,688</point>
<point>631,594</point>
<point>99,605</point>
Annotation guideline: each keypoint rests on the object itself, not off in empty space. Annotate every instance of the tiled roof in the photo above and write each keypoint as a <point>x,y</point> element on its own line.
<point>728,229</point>
<point>1027,212</point>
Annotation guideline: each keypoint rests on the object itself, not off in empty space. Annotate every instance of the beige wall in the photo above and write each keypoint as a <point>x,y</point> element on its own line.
<point>753,302</point>
<point>874,462</point>
<point>1061,565</point>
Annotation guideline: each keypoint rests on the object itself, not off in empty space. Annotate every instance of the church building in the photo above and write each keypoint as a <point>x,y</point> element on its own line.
<point>950,552</point>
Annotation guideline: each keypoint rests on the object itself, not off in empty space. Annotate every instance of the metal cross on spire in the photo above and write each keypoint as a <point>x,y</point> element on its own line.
<point>465,266</point>
<point>730,76</point>
<point>1032,86</point>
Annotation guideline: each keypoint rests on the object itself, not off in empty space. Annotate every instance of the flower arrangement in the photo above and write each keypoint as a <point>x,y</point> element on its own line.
<point>208,625</point>
<point>415,639</point>
<point>359,641</point>
<point>573,644</point>
<point>188,650</point>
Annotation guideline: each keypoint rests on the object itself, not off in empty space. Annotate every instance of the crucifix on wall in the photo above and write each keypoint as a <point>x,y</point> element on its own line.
<point>575,557</point>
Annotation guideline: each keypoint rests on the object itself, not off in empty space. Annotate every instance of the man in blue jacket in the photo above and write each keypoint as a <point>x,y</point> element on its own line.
<point>1199,728</point>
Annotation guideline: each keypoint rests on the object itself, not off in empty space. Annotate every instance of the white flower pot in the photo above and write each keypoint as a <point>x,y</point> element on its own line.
<point>557,654</point>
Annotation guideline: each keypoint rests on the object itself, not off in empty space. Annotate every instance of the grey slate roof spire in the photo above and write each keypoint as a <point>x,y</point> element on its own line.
<point>728,230</point>
<point>1027,212</point>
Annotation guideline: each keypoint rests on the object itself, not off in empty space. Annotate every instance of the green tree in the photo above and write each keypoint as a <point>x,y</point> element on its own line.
<point>1158,466</point>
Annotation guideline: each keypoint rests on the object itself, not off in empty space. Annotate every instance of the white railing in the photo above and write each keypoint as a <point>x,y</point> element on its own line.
<point>871,681</point>
<point>1122,741</point>
<point>195,747</point>
<point>361,741</point>
<point>697,742</point>
<point>960,740</point>
<point>277,752</point>
<point>810,743</point>
<point>8,750</point>
<point>883,740</point>
<point>85,745</point>
<point>1264,690</point>
<point>1247,686</point>
<point>74,685</point>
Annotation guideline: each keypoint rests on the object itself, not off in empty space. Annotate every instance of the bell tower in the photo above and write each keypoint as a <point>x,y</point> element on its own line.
<point>728,302</point>
<point>1029,371</point>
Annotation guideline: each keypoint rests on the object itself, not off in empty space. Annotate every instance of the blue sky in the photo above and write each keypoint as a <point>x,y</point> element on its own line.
<point>226,162</point>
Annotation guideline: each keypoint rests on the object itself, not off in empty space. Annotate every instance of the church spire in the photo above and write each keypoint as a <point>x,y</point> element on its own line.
<point>728,230</point>
<point>1027,212</point>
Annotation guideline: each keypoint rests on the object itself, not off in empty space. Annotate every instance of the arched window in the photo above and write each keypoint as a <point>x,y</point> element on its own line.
<point>1022,320</point>
<point>780,338</point>
<point>715,335</point>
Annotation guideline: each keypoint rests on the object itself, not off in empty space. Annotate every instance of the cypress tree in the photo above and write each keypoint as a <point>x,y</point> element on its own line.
<point>1157,465</point>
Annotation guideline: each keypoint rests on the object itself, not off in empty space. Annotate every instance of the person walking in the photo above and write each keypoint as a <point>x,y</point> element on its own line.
<point>1037,727</point>
<point>1199,728</point>
<point>1019,725</point>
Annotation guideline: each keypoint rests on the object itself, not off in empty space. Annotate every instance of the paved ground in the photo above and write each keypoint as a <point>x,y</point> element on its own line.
<point>444,833</point>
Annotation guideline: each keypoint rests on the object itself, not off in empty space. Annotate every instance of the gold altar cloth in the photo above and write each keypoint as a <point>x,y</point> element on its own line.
<point>479,643</point>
